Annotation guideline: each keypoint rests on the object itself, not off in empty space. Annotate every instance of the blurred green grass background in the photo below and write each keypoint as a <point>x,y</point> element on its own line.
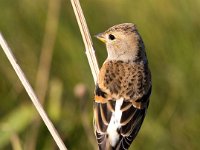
<point>171,32</point>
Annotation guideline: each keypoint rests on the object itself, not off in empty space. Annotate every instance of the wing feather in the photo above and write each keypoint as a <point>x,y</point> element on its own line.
<point>109,89</point>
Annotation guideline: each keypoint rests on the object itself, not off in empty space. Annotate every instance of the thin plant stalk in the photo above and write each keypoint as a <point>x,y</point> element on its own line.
<point>31,94</point>
<point>89,50</point>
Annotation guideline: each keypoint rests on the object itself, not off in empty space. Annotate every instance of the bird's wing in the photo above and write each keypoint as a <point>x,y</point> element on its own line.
<point>133,108</point>
<point>131,121</point>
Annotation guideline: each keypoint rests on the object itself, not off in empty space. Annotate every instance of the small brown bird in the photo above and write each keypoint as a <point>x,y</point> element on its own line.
<point>123,88</point>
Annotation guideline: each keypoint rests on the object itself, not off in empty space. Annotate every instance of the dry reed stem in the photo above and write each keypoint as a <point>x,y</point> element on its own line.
<point>90,53</point>
<point>89,50</point>
<point>31,94</point>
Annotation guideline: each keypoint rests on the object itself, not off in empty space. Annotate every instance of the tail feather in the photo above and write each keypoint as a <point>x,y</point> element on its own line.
<point>103,142</point>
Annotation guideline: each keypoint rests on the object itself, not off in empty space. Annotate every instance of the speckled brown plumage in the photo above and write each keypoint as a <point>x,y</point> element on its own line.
<point>124,79</point>
<point>123,88</point>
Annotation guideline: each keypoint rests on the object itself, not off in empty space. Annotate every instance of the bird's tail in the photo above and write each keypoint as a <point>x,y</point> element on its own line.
<point>103,142</point>
<point>105,145</point>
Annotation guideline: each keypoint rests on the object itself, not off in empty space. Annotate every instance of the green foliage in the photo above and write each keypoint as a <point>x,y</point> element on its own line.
<point>171,32</point>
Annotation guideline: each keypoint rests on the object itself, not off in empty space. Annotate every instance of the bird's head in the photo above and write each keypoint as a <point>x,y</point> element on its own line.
<point>123,42</point>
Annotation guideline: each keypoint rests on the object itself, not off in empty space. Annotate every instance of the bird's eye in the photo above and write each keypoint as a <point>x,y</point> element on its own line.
<point>111,37</point>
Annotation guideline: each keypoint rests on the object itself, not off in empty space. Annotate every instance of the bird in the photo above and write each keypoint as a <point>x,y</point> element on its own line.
<point>122,89</point>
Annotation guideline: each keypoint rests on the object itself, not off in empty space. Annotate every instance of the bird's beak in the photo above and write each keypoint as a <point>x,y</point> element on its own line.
<point>101,37</point>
